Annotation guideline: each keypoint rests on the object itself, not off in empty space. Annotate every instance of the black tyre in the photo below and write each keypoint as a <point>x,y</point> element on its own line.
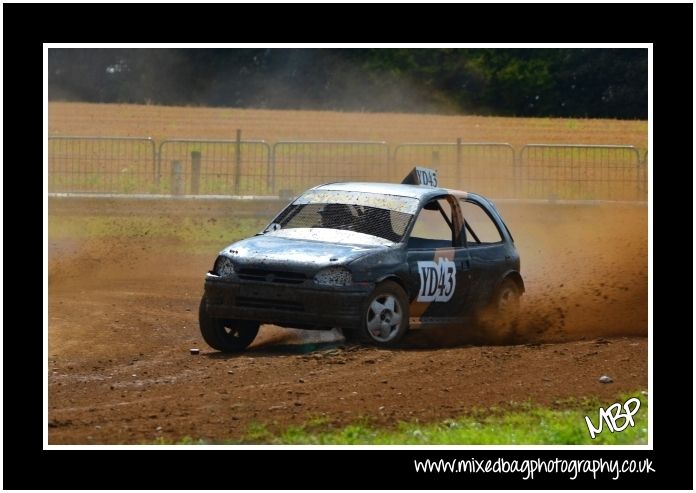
<point>385,319</point>
<point>506,300</point>
<point>499,321</point>
<point>226,335</point>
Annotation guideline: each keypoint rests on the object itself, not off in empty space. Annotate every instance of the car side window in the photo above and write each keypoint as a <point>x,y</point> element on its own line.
<point>480,228</point>
<point>433,227</point>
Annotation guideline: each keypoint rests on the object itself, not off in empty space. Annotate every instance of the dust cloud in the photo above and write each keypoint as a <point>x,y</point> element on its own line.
<point>584,267</point>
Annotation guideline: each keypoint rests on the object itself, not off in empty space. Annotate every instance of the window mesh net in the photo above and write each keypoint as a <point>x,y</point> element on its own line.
<point>384,223</point>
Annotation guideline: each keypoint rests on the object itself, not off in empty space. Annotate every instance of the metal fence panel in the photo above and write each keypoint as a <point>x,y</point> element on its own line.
<point>590,172</point>
<point>643,177</point>
<point>486,168</point>
<point>101,164</point>
<point>212,167</point>
<point>237,167</point>
<point>299,165</point>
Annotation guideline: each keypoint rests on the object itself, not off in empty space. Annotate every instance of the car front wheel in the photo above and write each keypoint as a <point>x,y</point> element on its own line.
<point>385,319</point>
<point>226,335</point>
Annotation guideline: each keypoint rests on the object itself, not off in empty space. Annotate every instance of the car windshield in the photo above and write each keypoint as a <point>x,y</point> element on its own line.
<point>379,215</point>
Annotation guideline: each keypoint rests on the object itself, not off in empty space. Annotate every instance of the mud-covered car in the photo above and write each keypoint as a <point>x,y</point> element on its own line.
<point>373,259</point>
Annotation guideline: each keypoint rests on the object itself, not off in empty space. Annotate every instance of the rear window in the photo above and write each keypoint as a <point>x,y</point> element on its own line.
<point>480,228</point>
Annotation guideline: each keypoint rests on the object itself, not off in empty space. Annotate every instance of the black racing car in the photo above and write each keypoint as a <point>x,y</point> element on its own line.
<point>374,259</point>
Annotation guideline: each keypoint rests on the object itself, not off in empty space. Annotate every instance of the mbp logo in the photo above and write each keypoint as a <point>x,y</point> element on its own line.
<point>612,414</point>
<point>437,280</point>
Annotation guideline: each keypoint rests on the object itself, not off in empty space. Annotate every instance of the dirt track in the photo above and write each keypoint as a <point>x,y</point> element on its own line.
<point>122,317</point>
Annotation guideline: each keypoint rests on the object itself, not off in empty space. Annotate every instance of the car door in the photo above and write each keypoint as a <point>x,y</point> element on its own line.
<point>488,252</point>
<point>438,263</point>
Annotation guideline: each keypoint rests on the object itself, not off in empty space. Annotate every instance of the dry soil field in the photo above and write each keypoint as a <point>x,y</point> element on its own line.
<point>123,300</point>
<point>161,123</point>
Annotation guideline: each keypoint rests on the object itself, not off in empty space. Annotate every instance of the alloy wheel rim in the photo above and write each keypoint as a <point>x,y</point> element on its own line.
<point>384,316</point>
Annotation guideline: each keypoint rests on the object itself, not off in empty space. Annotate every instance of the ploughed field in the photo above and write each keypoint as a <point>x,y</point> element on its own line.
<point>162,122</point>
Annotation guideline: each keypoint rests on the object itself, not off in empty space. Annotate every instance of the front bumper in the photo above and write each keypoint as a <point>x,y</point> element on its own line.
<point>303,305</point>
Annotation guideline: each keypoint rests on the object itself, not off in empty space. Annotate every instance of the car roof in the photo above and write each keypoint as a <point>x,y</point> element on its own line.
<point>415,191</point>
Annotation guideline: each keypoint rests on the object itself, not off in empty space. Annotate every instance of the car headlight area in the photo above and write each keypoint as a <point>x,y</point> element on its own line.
<point>334,276</point>
<point>223,266</point>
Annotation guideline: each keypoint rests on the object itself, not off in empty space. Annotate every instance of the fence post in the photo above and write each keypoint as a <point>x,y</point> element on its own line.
<point>390,164</point>
<point>638,181</point>
<point>459,164</point>
<point>195,172</point>
<point>238,161</point>
<point>155,166</point>
<point>516,165</point>
<point>270,166</point>
<point>394,163</point>
<point>158,172</point>
<point>177,178</point>
<point>435,160</point>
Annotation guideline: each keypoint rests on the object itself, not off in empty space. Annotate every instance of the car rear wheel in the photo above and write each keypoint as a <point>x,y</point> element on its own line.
<point>226,335</point>
<point>507,299</point>
<point>385,319</point>
<point>499,322</point>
